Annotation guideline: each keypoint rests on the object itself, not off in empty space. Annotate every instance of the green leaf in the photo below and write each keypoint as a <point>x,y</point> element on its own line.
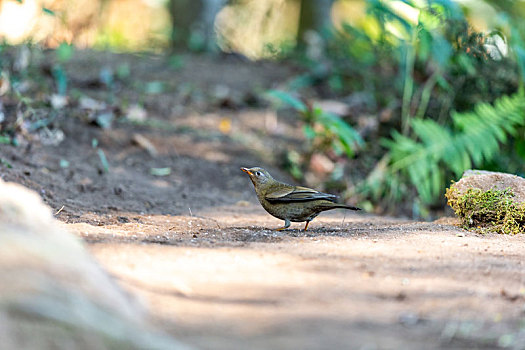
<point>348,138</point>
<point>465,62</point>
<point>60,79</point>
<point>287,99</point>
<point>176,62</point>
<point>160,171</point>
<point>64,52</point>
<point>154,88</point>
<point>123,71</point>
<point>104,120</point>
<point>5,163</point>
<point>48,11</point>
<point>441,50</point>
<point>301,81</point>
<point>103,160</point>
<point>309,132</point>
<point>520,148</point>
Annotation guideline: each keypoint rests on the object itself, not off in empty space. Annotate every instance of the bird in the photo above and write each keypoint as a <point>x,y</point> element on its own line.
<point>288,202</point>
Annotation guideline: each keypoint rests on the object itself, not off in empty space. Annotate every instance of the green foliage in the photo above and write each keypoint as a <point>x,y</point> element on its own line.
<point>288,99</point>
<point>176,62</point>
<point>63,54</point>
<point>123,71</point>
<point>48,11</point>
<point>101,155</point>
<point>434,152</point>
<point>60,76</point>
<point>5,163</point>
<point>453,96</point>
<point>324,130</point>
<point>492,210</point>
<point>103,160</point>
<point>4,139</point>
<point>154,87</point>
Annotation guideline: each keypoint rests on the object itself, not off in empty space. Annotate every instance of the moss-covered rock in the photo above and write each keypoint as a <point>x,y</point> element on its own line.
<point>488,201</point>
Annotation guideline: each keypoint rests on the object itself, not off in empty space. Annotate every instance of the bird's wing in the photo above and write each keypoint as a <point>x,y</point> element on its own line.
<point>297,194</point>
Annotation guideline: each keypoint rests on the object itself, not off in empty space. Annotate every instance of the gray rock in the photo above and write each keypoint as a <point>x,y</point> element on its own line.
<point>488,180</point>
<point>53,295</point>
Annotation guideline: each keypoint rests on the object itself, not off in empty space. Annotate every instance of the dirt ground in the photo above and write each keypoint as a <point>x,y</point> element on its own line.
<point>196,247</point>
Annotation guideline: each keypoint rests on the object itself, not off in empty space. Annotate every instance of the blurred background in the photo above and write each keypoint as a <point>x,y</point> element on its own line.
<point>394,99</point>
<point>257,29</point>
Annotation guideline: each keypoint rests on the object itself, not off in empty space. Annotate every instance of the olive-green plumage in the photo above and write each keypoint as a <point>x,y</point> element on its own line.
<point>290,203</point>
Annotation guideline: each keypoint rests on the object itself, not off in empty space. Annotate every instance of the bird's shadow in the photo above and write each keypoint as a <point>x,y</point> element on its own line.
<point>296,232</point>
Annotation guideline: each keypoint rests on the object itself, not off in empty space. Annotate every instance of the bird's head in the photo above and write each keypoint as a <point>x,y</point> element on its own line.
<point>259,176</point>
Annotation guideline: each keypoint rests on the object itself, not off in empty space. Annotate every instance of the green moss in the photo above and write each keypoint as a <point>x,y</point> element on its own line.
<point>492,210</point>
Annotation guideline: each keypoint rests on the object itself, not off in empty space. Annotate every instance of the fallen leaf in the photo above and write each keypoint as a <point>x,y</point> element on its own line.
<point>146,144</point>
<point>136,113</point>
<point>225,125</point>
<point>104,120</point>
<point>58,101</point>
<point>5,85</point>
<point>160,171</point>
<point>86,102</point>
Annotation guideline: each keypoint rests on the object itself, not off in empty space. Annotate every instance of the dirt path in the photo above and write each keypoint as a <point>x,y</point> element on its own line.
<point>223,279</point>
<point>196,247</point>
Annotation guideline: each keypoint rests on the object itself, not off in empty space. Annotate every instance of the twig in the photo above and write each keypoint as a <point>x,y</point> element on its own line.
<point>59,210</point>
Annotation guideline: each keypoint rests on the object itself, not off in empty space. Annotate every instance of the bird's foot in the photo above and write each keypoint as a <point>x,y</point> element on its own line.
<point>286,225</point>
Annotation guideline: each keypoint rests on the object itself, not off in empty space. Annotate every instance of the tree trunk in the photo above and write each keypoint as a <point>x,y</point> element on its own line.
<point>315,15</point>
<point>193,23</point>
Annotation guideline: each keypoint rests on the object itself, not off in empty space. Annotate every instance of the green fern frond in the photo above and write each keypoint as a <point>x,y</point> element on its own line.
<point>474,140</point>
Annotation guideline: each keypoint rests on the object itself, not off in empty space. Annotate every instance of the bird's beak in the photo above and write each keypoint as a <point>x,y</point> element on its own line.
<point>247,171</point>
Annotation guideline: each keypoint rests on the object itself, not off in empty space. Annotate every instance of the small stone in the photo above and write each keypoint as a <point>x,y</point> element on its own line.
<point>118,190</point>
<point>409,319</point>
<point>58,101</point>
<point>136,113</point>
<point>89,103</point>
<point>123,219</point>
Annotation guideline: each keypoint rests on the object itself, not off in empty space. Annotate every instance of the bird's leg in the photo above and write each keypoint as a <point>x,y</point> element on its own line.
<point>286,225</point>
<point>306,226</point>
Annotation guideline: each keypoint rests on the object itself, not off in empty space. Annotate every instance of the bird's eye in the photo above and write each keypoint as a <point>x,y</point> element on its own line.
<point>257,173</point>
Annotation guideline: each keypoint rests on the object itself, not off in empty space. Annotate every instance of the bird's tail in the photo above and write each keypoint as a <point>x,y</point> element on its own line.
<point>342,206</point>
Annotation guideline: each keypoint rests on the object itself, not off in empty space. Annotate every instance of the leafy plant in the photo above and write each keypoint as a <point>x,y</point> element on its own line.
<point>325,133</point>
<point>436,152</point>
<point>450,95</point>
<point>63,54</point>
<point>101,155</point>
<point>323,130</point>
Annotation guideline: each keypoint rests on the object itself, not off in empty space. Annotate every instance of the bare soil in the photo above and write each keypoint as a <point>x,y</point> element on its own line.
<point>196,247</point>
